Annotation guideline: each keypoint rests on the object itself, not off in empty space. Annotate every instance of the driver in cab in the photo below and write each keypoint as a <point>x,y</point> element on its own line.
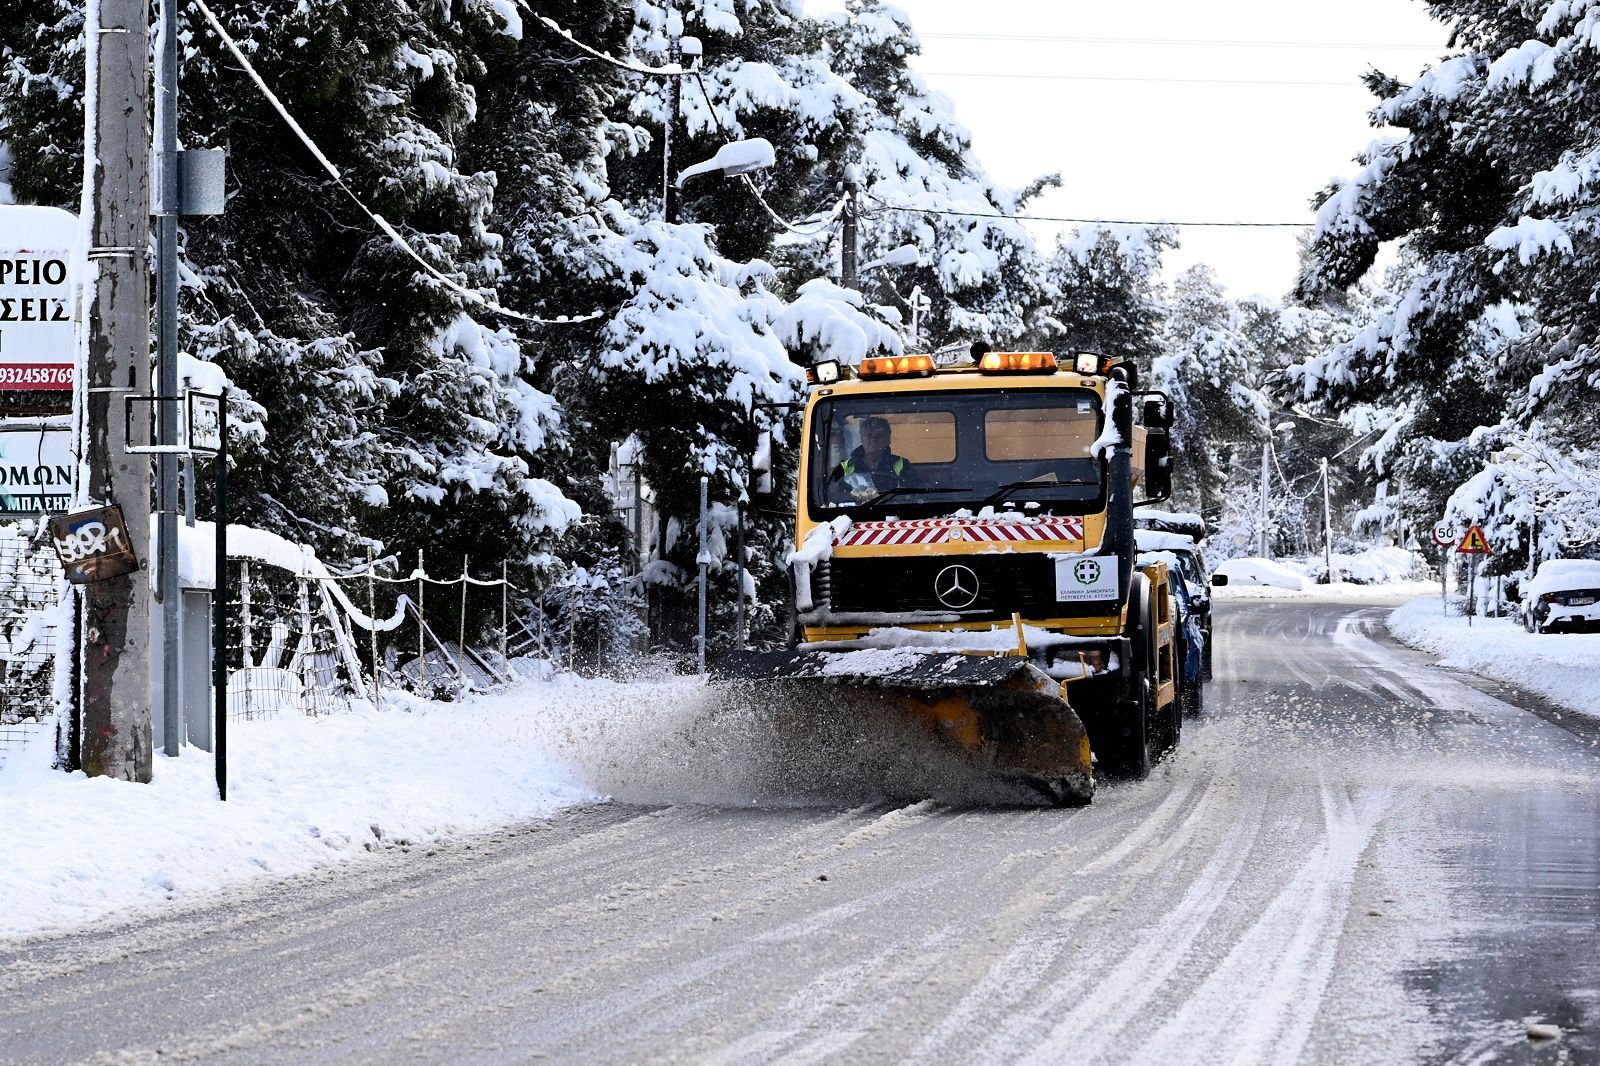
<point>872,468</point>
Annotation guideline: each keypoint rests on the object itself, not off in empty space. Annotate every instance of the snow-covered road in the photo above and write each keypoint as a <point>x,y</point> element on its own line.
<point>1354,858</point>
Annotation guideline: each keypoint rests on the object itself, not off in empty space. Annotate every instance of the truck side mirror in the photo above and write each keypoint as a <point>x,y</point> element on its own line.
<point>1219,580</point>
<point>761,465</point>
<point>1157,414</point>
<point>1157,464</point>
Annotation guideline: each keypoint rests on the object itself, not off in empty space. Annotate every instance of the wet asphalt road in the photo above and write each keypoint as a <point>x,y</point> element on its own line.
<point>1354,858</point>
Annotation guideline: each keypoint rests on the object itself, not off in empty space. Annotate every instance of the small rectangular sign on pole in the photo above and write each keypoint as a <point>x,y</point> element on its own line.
<point>205,422</point>
<point>93,545</point>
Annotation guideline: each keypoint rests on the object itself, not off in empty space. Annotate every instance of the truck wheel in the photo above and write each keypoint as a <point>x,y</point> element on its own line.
<point>1205,658</point>
<point>1127,753</point>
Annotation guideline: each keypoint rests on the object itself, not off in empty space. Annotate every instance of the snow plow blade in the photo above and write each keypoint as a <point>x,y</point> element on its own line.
<point>1004,714</point>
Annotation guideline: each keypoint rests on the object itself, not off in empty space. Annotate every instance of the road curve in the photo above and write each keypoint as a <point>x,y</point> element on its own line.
<point>1355,857</point>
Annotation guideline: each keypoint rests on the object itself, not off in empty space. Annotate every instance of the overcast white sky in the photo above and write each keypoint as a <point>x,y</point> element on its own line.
<point>1181,149</point>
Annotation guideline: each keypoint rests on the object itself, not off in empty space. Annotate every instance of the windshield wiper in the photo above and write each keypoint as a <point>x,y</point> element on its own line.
<point>1016,486</point>
<point>896,490</point>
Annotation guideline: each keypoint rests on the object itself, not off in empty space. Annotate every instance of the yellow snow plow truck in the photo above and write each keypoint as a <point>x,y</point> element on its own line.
<point>965,563</point>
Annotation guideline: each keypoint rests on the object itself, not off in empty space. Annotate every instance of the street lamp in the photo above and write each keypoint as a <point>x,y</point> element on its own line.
<point>733,159</point>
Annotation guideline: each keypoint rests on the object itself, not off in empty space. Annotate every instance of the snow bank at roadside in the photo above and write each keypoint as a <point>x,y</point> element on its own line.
<point>1386,570</point>
<point>1558,666</point>
<point>1254,572</point>
<point>303,792</point>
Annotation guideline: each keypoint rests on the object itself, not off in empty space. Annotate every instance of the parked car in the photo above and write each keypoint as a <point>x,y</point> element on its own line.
<point>1192,565</point>
<point>1564,594</point>
<point>1192,640</point>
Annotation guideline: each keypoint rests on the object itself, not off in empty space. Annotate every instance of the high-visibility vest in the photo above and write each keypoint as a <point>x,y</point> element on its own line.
<point>897,468</point>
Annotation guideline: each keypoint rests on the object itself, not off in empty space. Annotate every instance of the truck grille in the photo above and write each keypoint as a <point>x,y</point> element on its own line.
<point>1006,583</point>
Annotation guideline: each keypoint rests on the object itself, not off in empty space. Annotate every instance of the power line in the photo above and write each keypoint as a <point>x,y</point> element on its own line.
<point>1351,84</point>
<point>1176,41</point>
<point>751,185</point>
<point>488,303</point>
<point>1090,221</point>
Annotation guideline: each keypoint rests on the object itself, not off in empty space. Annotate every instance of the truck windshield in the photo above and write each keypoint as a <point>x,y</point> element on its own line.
<point>923,454</point>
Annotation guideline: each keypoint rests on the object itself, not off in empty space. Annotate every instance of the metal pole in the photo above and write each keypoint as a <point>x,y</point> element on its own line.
<point>114,732</point>
<point>188,491</point>
<point>738,576</point>
<point>505,617</point>
<point>372,632</point>
<point>219,608</point>
<point>669,188</point>
<point>1266,449</point>
<point>422,629</point>
<point>167,209</point>
<point>461,629</point>
<point>638,518</point>
<point>849,251</point>
<point>1472,587</point>
<point>704,560</point>
<point>1327,524</point>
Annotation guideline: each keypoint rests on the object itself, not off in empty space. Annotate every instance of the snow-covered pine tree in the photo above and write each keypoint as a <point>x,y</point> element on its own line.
<point>923,187</point>
<point>1105,294</point>
<point>390,408</point>
<point>1494,189</point>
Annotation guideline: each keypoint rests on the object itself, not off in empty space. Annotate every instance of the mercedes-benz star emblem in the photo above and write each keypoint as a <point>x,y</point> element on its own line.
<point>956,587</point>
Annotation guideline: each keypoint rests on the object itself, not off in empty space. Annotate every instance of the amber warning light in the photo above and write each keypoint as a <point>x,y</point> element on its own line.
<point>896,366</point>
<point>1018,363</point>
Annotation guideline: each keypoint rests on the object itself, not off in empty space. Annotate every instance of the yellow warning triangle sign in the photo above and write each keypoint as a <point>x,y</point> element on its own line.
<point>1474,543</point>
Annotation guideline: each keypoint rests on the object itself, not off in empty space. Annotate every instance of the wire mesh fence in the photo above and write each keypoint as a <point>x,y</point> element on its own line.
<point>306,641</point>
<point>302,640</point>
<point>30,589</point>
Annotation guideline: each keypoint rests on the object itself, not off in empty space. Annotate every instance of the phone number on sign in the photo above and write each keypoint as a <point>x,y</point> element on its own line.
<point>35,376</point>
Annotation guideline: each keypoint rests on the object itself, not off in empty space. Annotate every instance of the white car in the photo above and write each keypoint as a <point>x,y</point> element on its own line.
<point>1564,594</point>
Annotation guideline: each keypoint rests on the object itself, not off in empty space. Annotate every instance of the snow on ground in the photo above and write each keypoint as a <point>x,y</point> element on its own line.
<point>306,792</point>
<point>1391,570</point>
<point>1252,571</point>
<point>303,792</point>
<point>1558,666</point>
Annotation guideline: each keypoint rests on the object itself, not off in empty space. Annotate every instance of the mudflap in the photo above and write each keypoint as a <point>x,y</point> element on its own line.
<point>1002,712</point>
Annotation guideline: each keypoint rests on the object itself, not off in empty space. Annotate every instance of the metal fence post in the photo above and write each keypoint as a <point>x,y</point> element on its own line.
<point>219,635</point>
<point>461,628</point>
<point>505,617</point>
<point>422,629</point>
<point>372,632</point>
<point>704,560</point>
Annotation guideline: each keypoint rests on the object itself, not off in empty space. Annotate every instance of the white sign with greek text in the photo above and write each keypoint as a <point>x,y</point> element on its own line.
<point>37,331</point>
<point>36,469</point>
<point>1085,577</point>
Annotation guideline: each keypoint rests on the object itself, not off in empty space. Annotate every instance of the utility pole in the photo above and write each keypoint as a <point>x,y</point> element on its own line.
<point>1327,524</point>
<point>669,188</point>
<point>167,211</point>
<point>1266,450</point>
<point>850,250</point>
<point>115,700</point>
